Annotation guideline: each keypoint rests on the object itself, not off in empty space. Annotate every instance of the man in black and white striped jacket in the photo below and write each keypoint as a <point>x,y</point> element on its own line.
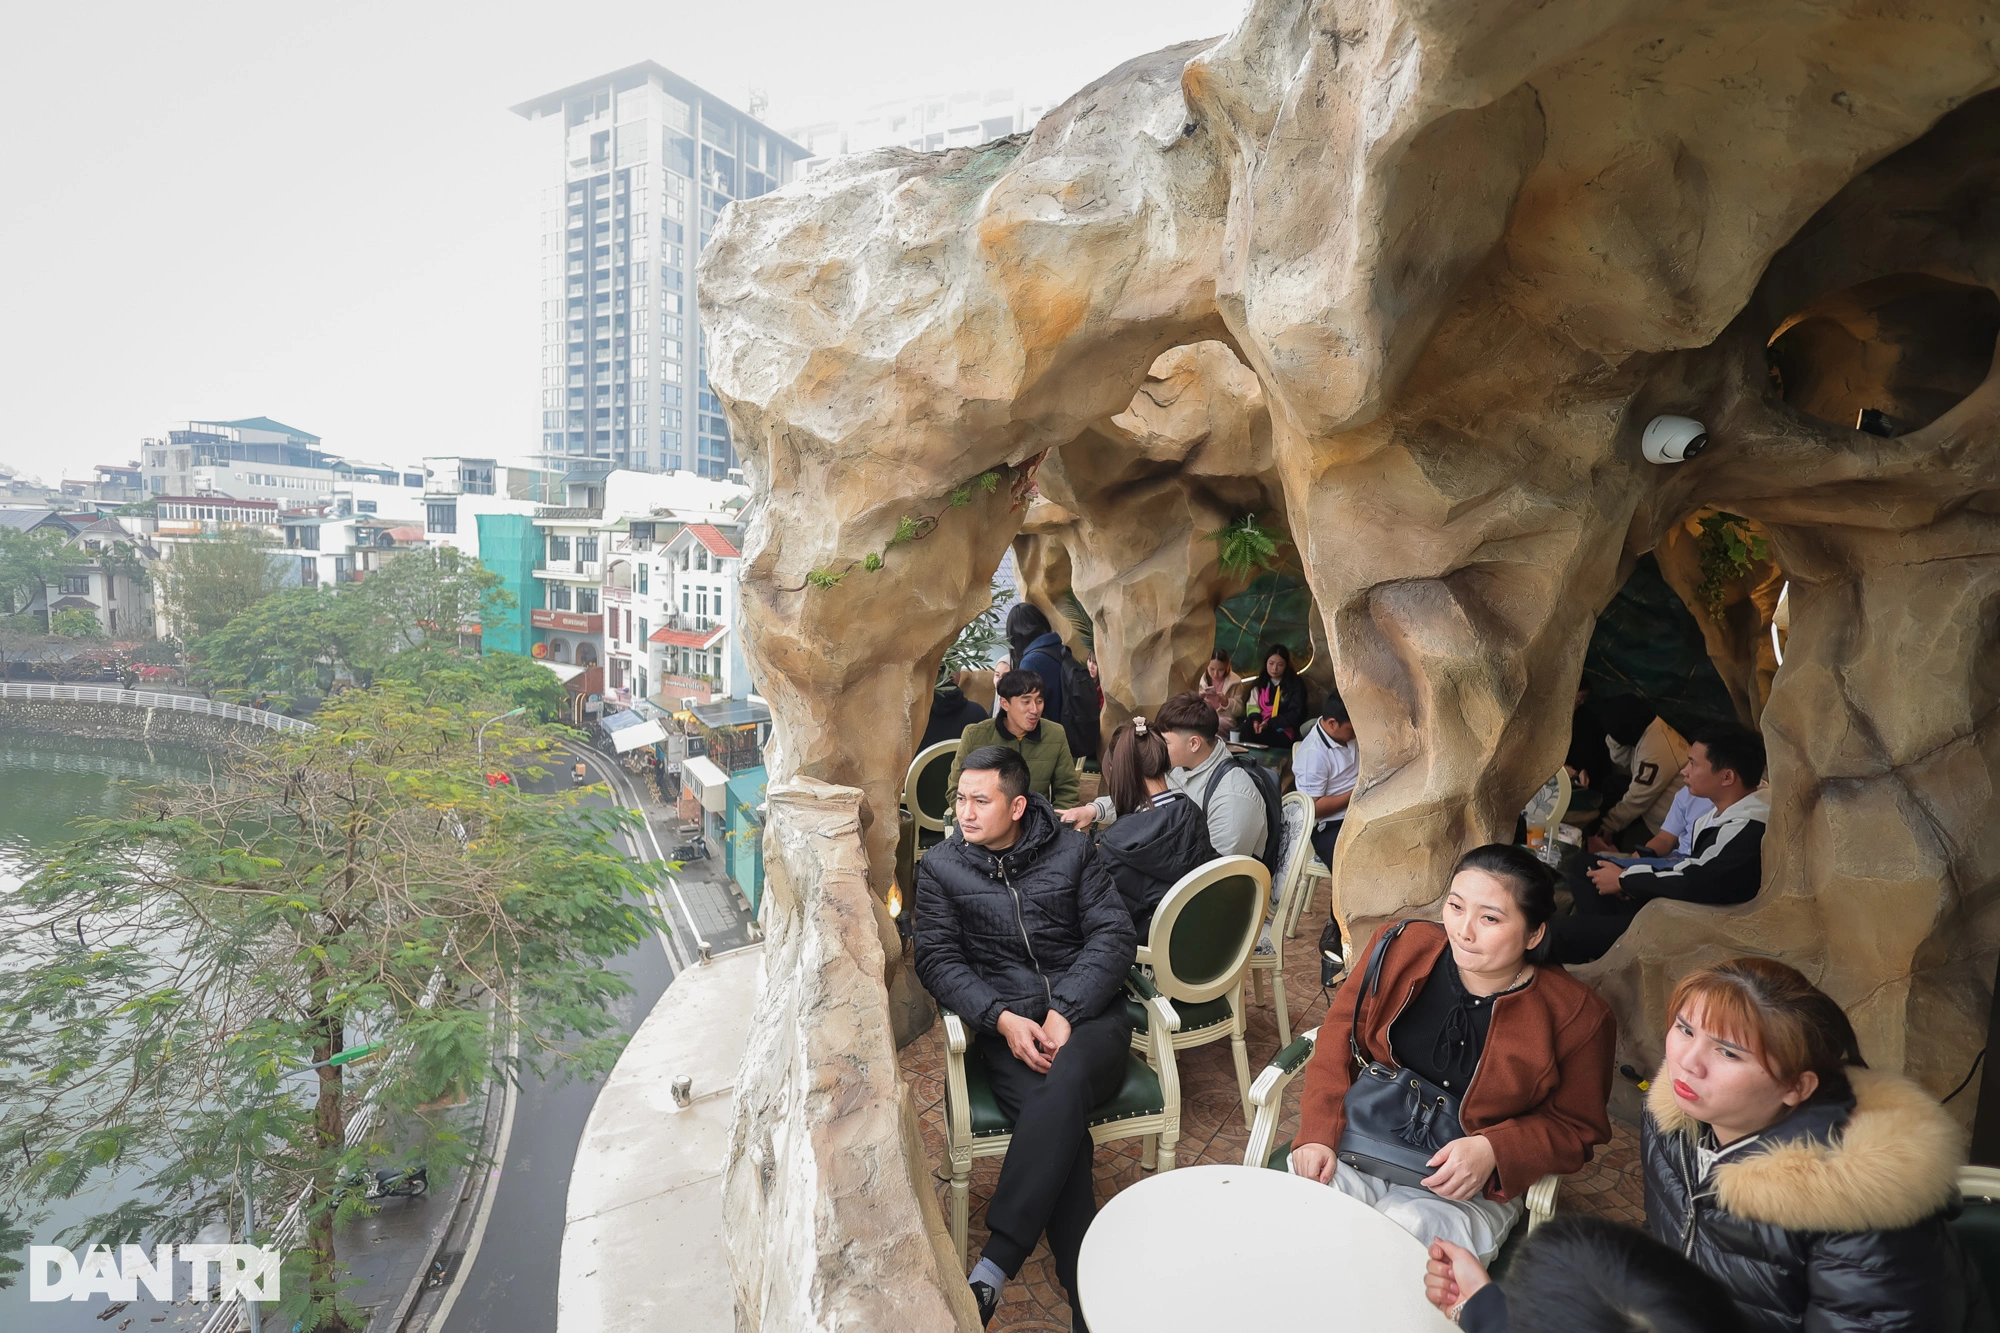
<point>1726,765</point>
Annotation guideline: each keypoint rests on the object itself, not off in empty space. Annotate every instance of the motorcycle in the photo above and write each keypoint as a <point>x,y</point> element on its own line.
<point>579,776</point>
<point>691,851</point>
<point>413,1183</point>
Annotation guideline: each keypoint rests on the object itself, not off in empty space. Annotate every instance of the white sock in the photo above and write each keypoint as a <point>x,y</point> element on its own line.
<point>989,1272</point>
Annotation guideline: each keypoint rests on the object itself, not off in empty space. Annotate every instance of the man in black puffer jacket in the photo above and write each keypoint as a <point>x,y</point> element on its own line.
<point>1020,930</point>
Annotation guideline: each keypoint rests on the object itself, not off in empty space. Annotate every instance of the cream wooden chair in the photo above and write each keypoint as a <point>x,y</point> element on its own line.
<point>1550,803</point>
<point>923,792</point>
<point>1199,950</point>
<point>1314,871</point>
<point>1267,1094</point>
<point>1147,1104</point>
<point>1269,955</point>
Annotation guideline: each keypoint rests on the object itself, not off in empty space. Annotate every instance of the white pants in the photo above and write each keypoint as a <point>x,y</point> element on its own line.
<point>1480,1224</point>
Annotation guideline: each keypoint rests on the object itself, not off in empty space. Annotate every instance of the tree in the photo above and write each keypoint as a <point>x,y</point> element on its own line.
<point>507,680</point>
<point>29,563</point>
<point>432,594</point>
<point>208,584</point>
<point>169,980</point>
<point>296,640</point>
<point>75,623</point>
<point>976,644</point>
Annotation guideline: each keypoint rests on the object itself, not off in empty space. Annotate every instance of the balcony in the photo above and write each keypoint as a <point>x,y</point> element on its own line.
<point>568,513</point>
<point>573,622</point>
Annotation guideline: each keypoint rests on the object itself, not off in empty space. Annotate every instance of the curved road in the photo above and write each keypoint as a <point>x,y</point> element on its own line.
<point>510,1286</point>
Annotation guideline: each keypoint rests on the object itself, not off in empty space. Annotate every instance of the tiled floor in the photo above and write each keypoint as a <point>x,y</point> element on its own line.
<point>1212,1131</point>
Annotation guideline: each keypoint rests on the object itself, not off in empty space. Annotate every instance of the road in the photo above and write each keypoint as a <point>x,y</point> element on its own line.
<point>511,1284</point>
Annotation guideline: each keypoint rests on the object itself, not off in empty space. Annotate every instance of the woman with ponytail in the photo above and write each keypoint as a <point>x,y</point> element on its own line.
<point>1160,834</point>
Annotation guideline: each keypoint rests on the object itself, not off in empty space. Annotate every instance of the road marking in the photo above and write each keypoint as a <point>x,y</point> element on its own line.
<point>492,1184</point>
<point>621,783</point>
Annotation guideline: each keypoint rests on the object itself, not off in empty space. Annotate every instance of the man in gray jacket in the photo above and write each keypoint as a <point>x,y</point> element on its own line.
<point>1236,818</point>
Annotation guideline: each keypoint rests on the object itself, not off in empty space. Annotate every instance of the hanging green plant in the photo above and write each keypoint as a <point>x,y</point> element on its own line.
<point>1246,546</point>
<point>1729,546</point>
<point>915,527</point>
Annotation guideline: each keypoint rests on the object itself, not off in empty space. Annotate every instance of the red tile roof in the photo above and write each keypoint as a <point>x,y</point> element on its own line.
<point>708,535</point>
<point>684,638</point>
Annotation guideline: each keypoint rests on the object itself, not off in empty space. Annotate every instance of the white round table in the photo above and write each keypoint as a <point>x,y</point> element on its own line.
<point>1221,1247</point>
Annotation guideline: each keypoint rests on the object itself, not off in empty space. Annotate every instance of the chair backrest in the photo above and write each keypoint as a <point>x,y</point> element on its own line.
<point>1298,854</point>
<point>923,789</point>
<point>1976,1226</point>
<point>1206,926</point>
<point>1551,803</point>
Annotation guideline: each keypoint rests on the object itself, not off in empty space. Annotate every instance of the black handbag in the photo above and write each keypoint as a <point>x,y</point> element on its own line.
<point>1396,1120</point>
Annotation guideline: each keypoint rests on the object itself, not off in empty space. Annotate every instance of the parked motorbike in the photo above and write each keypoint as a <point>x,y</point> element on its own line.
<point>412,1183</point>
<point>691,851</point>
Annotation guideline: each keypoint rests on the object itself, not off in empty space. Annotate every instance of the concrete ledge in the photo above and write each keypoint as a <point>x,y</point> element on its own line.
<point>643,1247</point>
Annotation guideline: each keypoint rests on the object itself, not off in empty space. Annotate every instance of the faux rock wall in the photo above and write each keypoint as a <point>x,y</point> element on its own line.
<point>831,1221</point>
<point>1466,252</point>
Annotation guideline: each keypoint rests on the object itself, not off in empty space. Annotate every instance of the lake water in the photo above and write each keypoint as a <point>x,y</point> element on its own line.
<point>46,783</point>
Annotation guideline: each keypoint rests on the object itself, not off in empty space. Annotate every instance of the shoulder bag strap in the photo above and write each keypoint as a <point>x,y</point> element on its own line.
<point>1370,981</point>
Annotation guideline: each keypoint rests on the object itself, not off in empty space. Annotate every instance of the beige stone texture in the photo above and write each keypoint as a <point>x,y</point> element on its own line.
<point>1466,252</point>
<point>826,1204</point>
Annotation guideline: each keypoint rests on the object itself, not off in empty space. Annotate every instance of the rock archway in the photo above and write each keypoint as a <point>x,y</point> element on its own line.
<point>1466,253</point>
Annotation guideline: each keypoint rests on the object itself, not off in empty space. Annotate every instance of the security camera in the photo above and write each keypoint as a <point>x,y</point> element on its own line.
<point>1673,439</point>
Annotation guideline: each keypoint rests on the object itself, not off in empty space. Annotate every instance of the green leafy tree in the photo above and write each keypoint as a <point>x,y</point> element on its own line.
<point>208,584</point>
<point>29,563</point>
<point>295,640</point>
<point>75,623</point>
<point>981,641</point>
<point>499,680</point>
<point>236,935</point>
<point>432,594</point>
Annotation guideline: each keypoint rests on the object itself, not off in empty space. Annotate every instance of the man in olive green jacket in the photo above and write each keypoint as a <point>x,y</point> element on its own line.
<point>1020,727</point>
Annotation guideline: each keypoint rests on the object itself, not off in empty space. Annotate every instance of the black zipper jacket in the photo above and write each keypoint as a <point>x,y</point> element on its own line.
<point>1037,927</point>
<point>1830,1221</point>
<point>1148,851</point>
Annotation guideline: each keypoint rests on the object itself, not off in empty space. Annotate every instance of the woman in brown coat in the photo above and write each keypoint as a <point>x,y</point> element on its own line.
<point>1466,1004</point>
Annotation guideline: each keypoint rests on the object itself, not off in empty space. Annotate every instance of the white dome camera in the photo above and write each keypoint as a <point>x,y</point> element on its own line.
<point>1673,439</point>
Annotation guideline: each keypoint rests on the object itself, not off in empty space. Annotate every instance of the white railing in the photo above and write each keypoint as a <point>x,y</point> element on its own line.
<point>179,703</point>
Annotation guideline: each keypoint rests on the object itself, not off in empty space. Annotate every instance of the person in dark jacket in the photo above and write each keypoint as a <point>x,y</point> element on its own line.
<point>951,714</point>
<point>1020,930</point>
<point>1276,705</point>
<point>1581,1274</point>
<point>1034,646</point>
<point>1725,764</point>
<point>1160,835</point>
<point>1813,1188</point>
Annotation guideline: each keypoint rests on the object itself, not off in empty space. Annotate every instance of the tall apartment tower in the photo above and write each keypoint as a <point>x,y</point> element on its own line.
<point>646,162</point>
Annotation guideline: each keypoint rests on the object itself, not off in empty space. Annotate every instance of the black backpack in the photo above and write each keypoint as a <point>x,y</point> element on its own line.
<point>1274,809</point>
<point>1080,711</point>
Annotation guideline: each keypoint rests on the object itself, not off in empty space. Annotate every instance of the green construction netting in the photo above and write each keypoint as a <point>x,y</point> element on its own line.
<point>1277,608</point>
<point>510,546</point>
<point>1647,643</point>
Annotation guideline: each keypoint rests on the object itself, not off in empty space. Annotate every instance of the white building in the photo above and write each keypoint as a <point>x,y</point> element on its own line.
<point>180,521</point>
<point>697,652</point>
<point>927,123</point>
<point>644,163</point>
<point>365,487</point>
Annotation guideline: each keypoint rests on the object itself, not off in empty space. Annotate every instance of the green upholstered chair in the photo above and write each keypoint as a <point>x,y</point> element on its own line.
<point>1976,1228</point>
<point>923,793</point>
<point>1199,950</point>
<point>1269,955</point>
<point>1147,1104</point>
<point>1267,1094</point>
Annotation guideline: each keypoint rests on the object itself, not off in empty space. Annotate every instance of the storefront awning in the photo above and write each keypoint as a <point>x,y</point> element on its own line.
<point>564,672</point>
<point>632,738</point>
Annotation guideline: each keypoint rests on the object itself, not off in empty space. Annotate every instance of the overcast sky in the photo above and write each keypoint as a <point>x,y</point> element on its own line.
<point>326,214</point>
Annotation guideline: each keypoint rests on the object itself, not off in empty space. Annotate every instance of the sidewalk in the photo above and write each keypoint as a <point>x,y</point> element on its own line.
<point>719,914</point>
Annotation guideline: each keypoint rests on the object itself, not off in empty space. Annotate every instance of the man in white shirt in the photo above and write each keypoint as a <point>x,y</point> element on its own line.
<point>1238,824</point>
<point>1674,841</point>
<point>1325,766</point>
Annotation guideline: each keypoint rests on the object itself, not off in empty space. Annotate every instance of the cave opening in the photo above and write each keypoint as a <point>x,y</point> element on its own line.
<point>1888,356</point>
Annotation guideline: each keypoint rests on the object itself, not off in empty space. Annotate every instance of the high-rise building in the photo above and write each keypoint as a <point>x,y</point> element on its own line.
<point>646,162</point>
<point>927,123</point>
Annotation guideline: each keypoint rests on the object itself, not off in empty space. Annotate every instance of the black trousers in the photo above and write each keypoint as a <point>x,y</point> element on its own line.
<point>1323,840</point>
<point>1599,920</point>
<point>1045,1182</point>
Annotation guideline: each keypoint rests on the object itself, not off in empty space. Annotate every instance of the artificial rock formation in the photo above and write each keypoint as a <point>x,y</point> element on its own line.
<point>1467,252</point>
<point>1129,505</point>
<point>831,1219</point>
